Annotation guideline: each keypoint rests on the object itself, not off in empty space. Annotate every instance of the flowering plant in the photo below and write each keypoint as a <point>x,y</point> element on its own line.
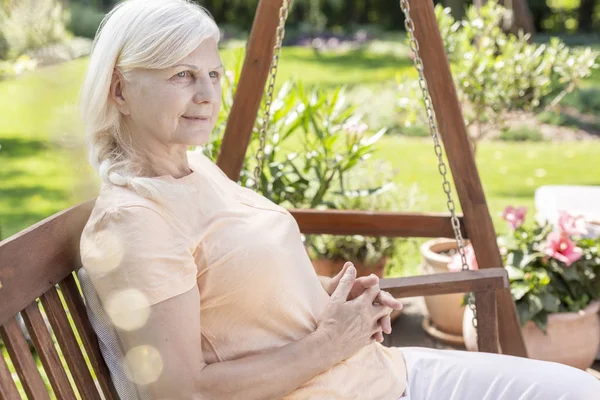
<point>551,269</point>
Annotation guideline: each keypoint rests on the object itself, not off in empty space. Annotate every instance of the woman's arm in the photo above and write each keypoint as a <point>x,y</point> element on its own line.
<point>172,360</point>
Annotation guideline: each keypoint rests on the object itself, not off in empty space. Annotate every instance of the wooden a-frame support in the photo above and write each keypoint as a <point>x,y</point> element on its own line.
<point>476,223</point>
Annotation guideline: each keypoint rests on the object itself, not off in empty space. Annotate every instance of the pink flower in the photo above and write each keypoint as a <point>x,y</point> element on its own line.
<point>514,216</point>
<point>455,263</point>
<point>560,247</point>
<point>570,224</point>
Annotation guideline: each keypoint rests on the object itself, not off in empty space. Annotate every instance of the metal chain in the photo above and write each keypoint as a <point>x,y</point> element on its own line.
<point>414,46</point>
<point>283,14</point>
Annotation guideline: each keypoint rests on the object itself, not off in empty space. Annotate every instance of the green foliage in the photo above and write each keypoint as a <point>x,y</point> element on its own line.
<point>368,188</point>
<point>542,285</point>
<point>32,24</point>
<point>495,72</point>
<point>327,134</point>
<point>521,134</point>
<point>84,20</point>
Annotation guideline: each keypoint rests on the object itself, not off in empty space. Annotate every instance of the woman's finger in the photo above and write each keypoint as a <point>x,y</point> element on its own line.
<point>362,283</point>
<point>388,300</point>
<point>386,324</point>
<point>377,333</point>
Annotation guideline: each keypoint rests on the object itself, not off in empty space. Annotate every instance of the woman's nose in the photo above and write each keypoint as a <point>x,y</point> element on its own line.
<point>205,91</point>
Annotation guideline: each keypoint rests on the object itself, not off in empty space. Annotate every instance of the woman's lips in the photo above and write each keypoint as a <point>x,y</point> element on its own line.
<point>196,119</point>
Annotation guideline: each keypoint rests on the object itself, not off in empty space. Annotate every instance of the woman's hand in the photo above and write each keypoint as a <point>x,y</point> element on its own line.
<point>351,324</point>
<point>360,285</point>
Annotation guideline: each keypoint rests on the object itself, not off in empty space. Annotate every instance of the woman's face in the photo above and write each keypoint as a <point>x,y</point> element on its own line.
<point>177,105</point>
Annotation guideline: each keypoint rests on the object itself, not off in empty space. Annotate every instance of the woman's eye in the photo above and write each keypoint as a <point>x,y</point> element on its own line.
<point>214,74</point>
<point>182,74</point>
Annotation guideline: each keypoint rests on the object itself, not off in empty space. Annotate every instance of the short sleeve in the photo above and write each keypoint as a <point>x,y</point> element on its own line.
<point>135,257</point>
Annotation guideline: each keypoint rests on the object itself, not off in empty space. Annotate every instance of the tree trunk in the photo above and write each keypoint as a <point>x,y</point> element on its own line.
<point>522,18</point>
<point>586,12</point>
<point>457,8</point>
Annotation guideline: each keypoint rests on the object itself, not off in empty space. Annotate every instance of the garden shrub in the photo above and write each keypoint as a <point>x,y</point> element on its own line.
<point>32,24</point>
<point>521,134</point>
<point>84,20</point>
<point>495,71</point>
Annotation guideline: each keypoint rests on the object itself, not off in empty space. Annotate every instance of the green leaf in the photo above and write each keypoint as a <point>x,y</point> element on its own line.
<point>550,302</point>
<point>514,258</point>
<point>519,289</point>
<point>528,259</point>
<point>535,304</point>
<point>541,321</point>
<point>514,273</point>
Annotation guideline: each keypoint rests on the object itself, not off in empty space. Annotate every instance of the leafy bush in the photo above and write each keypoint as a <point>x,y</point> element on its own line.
<point>521,134</point>
<point>32,24</point>
<point>366,188</point>
<point>84,21</point>
<point>331,134</point>
<point>495,72</point>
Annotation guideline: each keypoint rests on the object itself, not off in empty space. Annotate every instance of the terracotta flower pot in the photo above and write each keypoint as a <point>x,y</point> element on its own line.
<point>445,311</point>
<point>571,339</point>
<point>328,267</point>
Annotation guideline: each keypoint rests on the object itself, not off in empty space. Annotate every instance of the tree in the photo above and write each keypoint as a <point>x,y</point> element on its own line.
<point>586,13</point>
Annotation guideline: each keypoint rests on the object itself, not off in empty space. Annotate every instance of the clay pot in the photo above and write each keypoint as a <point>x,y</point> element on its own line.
<point>327,267</point>
<point>571,339</point>
<point>445,311</point>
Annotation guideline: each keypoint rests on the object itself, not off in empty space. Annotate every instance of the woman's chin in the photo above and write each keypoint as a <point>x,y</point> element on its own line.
<point>197,138</point>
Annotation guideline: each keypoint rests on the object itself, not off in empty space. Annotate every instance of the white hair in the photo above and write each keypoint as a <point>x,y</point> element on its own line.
<point>149,34</point>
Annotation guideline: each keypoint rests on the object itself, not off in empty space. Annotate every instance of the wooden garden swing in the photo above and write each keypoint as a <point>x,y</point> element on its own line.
<point>40,262</point>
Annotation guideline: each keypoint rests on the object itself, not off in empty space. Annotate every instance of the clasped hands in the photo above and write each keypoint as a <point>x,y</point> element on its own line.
<point>361,284</point>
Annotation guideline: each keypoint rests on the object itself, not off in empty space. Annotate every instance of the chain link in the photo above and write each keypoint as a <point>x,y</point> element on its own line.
<point>283,14</point>
<point>414,46</point>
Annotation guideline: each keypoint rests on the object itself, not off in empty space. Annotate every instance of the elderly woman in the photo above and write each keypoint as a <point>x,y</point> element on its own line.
<point>207,284</point>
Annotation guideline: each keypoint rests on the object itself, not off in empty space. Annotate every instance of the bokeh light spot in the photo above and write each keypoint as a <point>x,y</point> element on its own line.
<point>143,364</point>
<point>102,253</point>
<point>128,309</point>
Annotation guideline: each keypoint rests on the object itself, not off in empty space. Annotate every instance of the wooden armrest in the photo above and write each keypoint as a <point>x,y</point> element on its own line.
<point>445,283</point>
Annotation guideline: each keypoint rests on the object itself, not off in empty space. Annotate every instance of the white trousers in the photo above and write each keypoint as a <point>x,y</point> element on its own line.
<point>461,375</point>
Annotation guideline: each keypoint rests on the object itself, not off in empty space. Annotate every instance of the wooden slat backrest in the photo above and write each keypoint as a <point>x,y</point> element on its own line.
<point>22,359</point>
<point>8,389</point>
<point>74,301</point>
<point>42,340</point>
<point>68,344</point>
<point>35,264</point>
<point>36,259</point>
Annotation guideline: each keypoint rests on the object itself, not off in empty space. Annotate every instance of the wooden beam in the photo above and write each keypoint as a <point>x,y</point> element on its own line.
<point>446,283</point>
<point>368,223</point>
<point>487,322</point>
<point>462,164</point>
<point>251,85</point>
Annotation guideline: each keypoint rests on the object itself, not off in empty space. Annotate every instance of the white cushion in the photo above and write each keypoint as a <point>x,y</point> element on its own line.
<point>109,342</point>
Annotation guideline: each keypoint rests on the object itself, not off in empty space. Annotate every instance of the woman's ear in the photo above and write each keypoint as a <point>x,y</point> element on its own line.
<point>116,92</point>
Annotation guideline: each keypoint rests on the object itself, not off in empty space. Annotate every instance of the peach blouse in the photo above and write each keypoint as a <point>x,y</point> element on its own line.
<point>258,289</point>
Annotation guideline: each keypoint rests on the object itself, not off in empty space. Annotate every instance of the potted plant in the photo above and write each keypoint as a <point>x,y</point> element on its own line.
<point>444,312</point>
<point>368,187</point>
<point>554,275</point>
